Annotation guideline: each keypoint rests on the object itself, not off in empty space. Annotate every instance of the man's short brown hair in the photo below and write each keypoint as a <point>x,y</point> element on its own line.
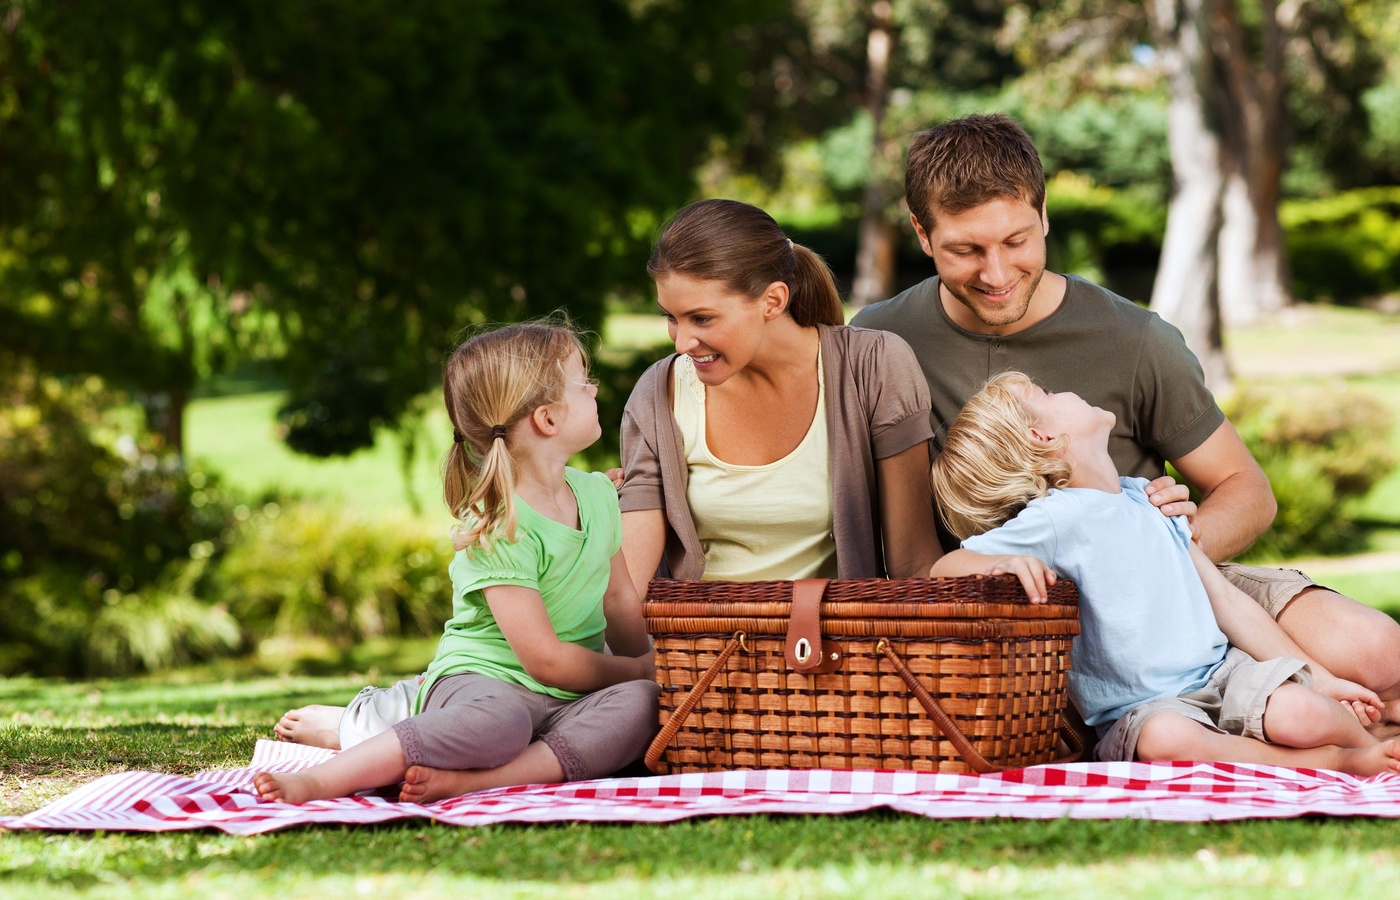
<point>967,162</point>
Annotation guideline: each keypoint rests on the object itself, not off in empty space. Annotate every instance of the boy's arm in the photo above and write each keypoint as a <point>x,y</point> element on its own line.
<point>1255,632</point>
<point>1035,576</point>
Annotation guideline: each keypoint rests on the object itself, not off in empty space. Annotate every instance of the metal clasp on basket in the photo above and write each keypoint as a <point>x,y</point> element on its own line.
<point>802,650</point>
<point>743,641</point>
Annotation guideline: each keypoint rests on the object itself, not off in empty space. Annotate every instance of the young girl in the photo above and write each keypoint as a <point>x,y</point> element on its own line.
<point>520,691</point>
<point>1166,665</point>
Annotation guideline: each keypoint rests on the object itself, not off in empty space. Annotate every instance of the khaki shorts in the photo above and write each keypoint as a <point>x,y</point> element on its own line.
<point>1270,588</point>
<point>1231,702</point>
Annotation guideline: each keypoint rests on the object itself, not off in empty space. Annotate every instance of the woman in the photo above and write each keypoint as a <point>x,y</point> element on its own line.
<point>776,442</point>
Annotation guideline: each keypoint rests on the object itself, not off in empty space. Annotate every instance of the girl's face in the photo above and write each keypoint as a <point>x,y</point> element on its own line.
<point>719,329</point>
<point>1067,413</point>
<point>579,406</point>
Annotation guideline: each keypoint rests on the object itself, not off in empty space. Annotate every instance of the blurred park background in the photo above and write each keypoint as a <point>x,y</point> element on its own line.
<point>237,238</point>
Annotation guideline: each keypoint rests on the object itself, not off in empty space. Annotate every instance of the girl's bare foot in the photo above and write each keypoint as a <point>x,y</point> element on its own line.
<point>1374,760</point>
<point>287,787</point>
<point>315,726</point>
<point>424,784</point>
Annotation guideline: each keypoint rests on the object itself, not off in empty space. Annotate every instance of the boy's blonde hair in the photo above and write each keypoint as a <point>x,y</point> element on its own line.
<point>491,381</point>
<point>991,466</point>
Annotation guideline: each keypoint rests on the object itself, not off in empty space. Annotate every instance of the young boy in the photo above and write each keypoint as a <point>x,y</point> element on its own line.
<point>1166,665</point>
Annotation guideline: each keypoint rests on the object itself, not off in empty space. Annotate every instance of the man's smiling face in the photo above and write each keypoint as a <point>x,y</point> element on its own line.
<point>990,260</point>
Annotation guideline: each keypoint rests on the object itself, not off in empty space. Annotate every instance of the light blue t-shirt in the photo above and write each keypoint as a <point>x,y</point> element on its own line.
<point>1147,629</point>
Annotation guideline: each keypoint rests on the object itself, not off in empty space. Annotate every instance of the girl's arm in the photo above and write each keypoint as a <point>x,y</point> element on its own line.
<point>525,623</point>
<point>1255,632</point>
<point>622,608</point>
<point>1035,576</point>
<point>906,513</point>
<point>643,542</point>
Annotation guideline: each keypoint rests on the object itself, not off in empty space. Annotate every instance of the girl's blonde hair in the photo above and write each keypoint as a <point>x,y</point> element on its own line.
<point>991,466</point>
<point>491,382</point>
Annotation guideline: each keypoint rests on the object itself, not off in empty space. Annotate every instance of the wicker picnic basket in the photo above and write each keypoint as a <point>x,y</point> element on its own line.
<point>933,675</point>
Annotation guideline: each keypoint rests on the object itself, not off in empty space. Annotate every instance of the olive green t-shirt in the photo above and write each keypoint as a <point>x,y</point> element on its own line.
<point>569,567</point>
<point>1113,353</point>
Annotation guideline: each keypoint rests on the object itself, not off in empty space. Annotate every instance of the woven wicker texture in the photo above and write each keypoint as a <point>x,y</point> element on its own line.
<point>995,663</point>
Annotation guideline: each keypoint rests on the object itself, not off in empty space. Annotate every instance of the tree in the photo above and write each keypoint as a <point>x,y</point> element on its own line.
<point>182,179</point>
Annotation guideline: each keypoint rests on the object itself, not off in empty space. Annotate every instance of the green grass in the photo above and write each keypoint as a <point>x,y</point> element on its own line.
<point>56,735</point>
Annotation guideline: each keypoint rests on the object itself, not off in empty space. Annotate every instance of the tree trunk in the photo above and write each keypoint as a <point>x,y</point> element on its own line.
<point>1253,265</point>
<point>875,254</point>
<point>1186,292</point>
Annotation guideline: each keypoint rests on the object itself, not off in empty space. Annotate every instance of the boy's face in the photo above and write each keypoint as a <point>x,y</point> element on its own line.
<point>990,261</point>
<point>1066,413</point>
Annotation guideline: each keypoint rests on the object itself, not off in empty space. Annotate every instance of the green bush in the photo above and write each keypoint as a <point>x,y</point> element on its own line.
<point>1320,447</point>
<point>105,541</point>
<point>1344,248</point>
<point>312,571</point>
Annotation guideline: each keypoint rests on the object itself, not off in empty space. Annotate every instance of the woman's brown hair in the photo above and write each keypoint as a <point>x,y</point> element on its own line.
<point>740,246</point>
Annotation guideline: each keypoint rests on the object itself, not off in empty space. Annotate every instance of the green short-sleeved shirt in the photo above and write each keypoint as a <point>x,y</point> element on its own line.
<point>569,568</point>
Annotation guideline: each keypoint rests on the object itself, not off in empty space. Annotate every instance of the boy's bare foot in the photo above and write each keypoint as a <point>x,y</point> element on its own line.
<point>315,726</point>
<point>1389,725</point>
<point>424,784</point>
<point>288,787</point>
<point>1374,760</point>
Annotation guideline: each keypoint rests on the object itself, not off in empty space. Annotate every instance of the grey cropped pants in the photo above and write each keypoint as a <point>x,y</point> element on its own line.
<point>478,722</point>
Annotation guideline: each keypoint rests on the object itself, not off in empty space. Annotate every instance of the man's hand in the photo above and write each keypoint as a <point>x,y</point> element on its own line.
<point>1173,499</point>
<point>616,477</point>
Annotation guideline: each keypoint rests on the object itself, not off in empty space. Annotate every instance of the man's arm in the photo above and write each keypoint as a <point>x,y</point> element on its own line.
<point>1237,504</point>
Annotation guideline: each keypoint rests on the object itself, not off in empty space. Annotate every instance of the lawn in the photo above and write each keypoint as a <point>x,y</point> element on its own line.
<point>56,735</point>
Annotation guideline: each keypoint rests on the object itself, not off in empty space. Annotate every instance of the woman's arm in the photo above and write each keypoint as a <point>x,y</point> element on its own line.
<point>906,513</point>
<point>525,623</point>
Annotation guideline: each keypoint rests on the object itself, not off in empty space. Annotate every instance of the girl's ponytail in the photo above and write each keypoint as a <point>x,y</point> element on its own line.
<point>490,383</point>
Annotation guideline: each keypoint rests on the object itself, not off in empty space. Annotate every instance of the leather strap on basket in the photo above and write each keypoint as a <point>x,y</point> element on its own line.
<point>951,731</point>
<point>677,718</point>
<point>805,650</point>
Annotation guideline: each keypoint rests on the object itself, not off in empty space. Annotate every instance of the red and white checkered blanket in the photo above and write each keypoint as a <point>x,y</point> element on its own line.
<point>1184,791</point>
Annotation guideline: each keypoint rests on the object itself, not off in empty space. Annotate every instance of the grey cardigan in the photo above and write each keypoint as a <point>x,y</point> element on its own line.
<point>877,406</point>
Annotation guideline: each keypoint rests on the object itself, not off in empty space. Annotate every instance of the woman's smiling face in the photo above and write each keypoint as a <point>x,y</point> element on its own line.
<point>718,328</point>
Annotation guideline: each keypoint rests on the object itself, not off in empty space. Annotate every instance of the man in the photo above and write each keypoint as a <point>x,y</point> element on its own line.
<point>976,193</point>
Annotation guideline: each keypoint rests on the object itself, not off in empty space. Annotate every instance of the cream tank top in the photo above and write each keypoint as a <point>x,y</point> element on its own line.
<point>757,523</point>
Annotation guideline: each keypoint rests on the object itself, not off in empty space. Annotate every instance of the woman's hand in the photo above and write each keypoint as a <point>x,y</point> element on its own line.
<point>617,477</point>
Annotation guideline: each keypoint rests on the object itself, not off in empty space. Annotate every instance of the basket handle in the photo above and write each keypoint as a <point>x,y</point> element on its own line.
<point>945,724</point>
<point>677,718</point>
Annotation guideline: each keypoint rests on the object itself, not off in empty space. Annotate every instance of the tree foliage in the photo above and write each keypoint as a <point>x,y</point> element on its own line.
<point>360,177</point>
